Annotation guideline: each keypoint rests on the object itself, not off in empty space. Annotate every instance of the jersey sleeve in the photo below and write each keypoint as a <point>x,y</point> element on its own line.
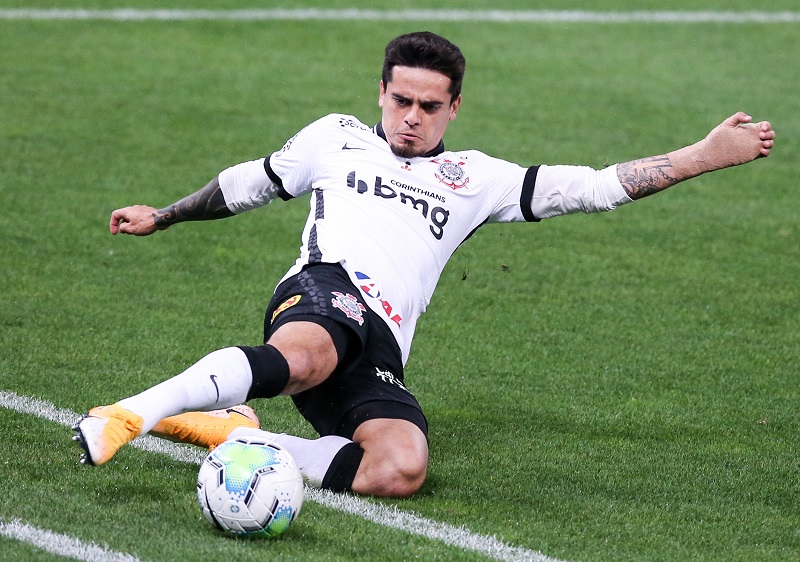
<point>287,173</point>
<point>247,186</point>
<point>511,185</point>
<point>294,167</point>
<point>544,191</point>
<point>562,190</point>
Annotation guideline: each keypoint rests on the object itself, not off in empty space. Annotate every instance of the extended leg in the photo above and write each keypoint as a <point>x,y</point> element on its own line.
<point>303,356</point>
<point>387,457</point>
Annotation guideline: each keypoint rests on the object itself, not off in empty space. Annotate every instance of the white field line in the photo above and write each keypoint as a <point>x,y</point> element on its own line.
<point>377,512</point>
<point>62,545</point>
<point>445,15</point>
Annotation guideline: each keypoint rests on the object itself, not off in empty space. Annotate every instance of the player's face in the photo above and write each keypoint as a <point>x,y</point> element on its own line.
<point>416,109</point>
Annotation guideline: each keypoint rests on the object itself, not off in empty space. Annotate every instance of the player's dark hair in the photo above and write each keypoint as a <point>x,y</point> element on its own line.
<point>427,50</point>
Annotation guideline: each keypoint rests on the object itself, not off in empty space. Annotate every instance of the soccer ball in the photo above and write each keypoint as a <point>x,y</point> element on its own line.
<point>250,486</point>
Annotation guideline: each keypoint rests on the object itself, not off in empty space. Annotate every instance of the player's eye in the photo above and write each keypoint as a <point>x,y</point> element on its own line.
<point>430,107</point>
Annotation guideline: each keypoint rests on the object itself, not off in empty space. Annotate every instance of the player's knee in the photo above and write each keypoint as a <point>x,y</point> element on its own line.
<point>406,479</point>
<point>309,352</point>
<point>303,366</point>
<point>399,473</point>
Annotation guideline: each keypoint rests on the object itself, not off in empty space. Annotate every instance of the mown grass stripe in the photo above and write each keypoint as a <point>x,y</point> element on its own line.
<point>386,515</point>
<point>353,14</point>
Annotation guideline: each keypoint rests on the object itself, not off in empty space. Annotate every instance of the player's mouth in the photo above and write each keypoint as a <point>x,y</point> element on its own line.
<point>408,136</point>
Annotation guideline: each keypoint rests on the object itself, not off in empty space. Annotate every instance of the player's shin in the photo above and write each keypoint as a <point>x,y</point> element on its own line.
<point>330,462</point>
<point>219,380</point>
<point>237,374</point>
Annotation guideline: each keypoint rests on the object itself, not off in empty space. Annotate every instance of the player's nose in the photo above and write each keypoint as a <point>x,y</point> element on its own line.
<point>412,116</point>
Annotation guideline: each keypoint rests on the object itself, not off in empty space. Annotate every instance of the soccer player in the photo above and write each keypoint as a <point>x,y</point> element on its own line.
<point>389,206</point>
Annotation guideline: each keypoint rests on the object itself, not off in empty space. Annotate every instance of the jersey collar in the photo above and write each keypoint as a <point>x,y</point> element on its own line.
<point>378,129</point>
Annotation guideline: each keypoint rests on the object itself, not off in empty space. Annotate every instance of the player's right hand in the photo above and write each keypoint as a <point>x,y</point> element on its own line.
<point>138,220</point>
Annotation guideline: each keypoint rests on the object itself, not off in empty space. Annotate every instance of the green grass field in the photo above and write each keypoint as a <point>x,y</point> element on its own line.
<point>610,387</point>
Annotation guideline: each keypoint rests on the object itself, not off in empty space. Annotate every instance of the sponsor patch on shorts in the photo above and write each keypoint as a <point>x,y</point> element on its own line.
<point>288,303</point>
<point>388,376</point>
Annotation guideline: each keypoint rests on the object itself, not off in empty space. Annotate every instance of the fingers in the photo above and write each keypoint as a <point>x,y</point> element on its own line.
<point>117,221</point>
<point>136,220</point>
<point>738,118</point>
<point>766,147</point>
<point>765,133</point>
<point>767,136</point>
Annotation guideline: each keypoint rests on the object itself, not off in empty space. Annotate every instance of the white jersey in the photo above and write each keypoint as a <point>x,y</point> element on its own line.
<point>393,222</point>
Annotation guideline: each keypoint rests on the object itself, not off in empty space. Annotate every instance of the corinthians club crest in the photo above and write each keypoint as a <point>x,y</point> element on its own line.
<point>349,305</point>
<point>451,174</point>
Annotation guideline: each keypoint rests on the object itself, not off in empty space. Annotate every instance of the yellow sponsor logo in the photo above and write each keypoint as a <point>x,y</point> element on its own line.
<point>288,303</point>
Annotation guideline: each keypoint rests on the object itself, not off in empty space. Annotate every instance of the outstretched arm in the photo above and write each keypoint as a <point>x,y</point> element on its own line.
<point>140,220</point>
<point>733,142</point>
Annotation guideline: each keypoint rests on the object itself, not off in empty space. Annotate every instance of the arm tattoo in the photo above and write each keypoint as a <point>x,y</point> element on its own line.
<point>206,204</point>
<point>644,177</point>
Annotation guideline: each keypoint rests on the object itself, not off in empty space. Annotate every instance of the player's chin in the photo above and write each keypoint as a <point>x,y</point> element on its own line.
<point>407,149</point>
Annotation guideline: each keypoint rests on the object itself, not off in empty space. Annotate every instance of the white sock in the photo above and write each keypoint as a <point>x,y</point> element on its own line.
<point>313,456</point>
<point>219,380</point>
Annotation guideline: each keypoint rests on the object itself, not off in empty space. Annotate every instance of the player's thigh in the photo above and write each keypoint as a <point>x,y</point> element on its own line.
<point>309,350</point>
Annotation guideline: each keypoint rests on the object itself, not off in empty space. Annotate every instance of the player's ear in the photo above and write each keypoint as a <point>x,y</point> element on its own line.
<point>381,94</point>
<point>454,108</point>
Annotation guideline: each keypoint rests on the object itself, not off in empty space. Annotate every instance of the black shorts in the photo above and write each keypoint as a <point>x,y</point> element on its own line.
<point>368,382</point>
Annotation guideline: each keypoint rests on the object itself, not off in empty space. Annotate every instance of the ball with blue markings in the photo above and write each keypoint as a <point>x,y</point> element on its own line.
<point>250,486</point>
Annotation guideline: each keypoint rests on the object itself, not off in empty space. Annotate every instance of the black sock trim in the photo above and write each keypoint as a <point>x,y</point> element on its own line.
<point>343,468</point>
<point>270,371</point>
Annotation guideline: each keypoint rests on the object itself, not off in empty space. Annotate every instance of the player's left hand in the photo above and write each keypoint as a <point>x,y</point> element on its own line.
<point>767,136</point>
<point>738,140</point>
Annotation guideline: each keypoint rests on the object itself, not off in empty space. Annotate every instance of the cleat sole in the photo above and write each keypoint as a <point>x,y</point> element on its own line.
<point>85,457</point>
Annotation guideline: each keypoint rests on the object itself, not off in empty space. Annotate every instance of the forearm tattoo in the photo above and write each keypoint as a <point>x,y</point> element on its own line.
<point>644,177</point>
<point>206,204</point>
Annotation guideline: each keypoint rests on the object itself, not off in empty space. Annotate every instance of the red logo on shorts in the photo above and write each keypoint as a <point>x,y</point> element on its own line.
<point>349,305</point>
